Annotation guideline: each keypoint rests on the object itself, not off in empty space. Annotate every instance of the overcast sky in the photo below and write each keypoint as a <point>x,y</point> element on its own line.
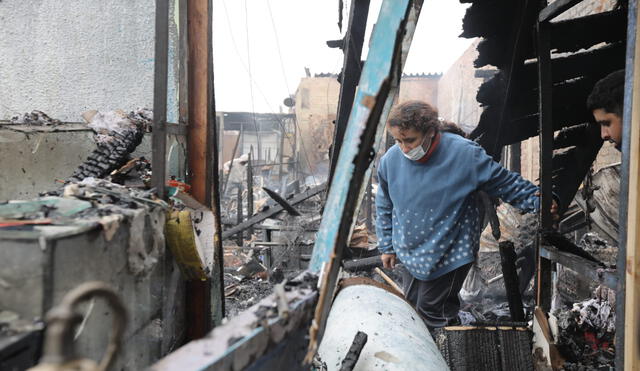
<point>285,36</point>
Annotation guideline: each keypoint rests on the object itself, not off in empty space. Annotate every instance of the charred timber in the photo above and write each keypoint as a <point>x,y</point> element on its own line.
<point>579,135</point>
<point>487,18</point>
<point>594,64</point>
<point>582,32</point>
<point>109,155</point>
<point>511,283</point>
<point>568,36</point>
<point>568,110</point>
<point>576,162</point>
<point>563,244</point>
<point>350,360</point>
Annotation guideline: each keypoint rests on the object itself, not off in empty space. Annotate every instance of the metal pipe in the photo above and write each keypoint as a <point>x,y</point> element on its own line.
<point>159,135</point>
<point>397,338</point>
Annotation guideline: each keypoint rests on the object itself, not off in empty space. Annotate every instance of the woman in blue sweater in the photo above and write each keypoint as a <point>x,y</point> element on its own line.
<point>427,214</point>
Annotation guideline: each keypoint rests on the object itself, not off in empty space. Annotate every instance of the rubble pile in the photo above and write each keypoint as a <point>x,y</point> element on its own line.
<point>586,333</point>
<point>597,246</point>
<point>117,135</point>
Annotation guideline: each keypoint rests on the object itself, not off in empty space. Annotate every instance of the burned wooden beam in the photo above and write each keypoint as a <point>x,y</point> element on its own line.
<point>575,162</point>
<point>546,118</point>
<point>357,265</point>
<point>573,136</point>
<point>582,32</point>
<point>555,9</point>
<point>511,283</point>
<point>272,211</point>
<point>568,36</point>
<point>350,74</point>
<point>351,358</point>
<point>564,245</point>
<point>239,236</point>
<point>379,82</point>
<point>205,298</point>
<point>595,64</point>
<point>582,266</point>
<point>282,202</point>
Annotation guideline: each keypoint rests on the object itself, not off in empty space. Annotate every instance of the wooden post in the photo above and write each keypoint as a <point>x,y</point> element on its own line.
<point>630,233</point>
<point>546,157</point>
<point>368,204</point>
<point>281,149</point>
<point>239,236</point>
<point>205,299</point>
<point>510,276</point>
<point>250,190</point>
<point>351,67</point>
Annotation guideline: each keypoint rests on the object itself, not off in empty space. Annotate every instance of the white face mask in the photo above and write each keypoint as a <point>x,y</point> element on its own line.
<point>418,152</point>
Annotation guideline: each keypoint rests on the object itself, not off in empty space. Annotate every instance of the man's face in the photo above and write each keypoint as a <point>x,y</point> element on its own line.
<point>610,126</point>
<point>407,139</point>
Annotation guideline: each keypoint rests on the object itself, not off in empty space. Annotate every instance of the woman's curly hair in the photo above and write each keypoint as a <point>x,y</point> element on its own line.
<point>421,116</point>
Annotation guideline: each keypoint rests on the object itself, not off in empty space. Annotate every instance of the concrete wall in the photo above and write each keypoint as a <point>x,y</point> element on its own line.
<point>32,159</point>
<point>317,106</point>
<point>457,91</point>
<point>155,301</point>
<point>66,57</point>
<point>316,109</point>
<point>422,87</point>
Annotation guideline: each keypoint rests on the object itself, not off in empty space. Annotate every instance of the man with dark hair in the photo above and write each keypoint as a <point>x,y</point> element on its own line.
<point>605,102</point>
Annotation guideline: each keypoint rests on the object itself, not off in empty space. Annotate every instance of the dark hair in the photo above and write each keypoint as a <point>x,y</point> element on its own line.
<point>420,116</point>
<point>608,94</point>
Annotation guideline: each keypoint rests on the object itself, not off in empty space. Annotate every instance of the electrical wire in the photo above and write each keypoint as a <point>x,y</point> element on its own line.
<point>262,94</point>
<point>253,110</point>
<point>275,32</point>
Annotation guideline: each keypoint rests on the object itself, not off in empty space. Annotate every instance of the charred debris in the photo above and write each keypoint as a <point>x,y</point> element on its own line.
<point>537,296</point>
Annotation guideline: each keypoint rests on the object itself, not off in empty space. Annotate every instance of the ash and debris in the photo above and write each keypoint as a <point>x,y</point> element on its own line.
<point>252,270</point>
<point>35,117</point>
<point>242,294</point>
<point>117,135</point>
<point>597,246</point>
<point>11,324</point>
<point>586,332</point>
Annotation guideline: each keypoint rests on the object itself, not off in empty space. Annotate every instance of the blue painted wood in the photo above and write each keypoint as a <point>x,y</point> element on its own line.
<point>376,70</point>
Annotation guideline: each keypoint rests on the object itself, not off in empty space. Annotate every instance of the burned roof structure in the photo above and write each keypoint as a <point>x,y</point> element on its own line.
<point>582,50</point>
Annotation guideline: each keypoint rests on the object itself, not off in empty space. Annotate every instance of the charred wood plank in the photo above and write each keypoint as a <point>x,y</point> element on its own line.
<point>358,265</point>
<point>511,283</point>
<point>594,64</point>
<point>350,74</point>
<point>582,32</point>
<point>582,266</point>
<point>555,9</point>
<point>272,211</point>
<point>352,356</point>
<point>487,18</point>
<point>563,244</point>
<point>282,202</point>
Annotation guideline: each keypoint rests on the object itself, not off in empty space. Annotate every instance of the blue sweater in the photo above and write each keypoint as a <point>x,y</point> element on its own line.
<point>427,212</point>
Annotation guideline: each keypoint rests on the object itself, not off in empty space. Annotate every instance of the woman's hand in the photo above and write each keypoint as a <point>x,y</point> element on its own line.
<point>388,260</point>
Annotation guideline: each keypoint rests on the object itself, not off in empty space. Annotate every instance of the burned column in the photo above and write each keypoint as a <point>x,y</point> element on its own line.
<point>508,261</point>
